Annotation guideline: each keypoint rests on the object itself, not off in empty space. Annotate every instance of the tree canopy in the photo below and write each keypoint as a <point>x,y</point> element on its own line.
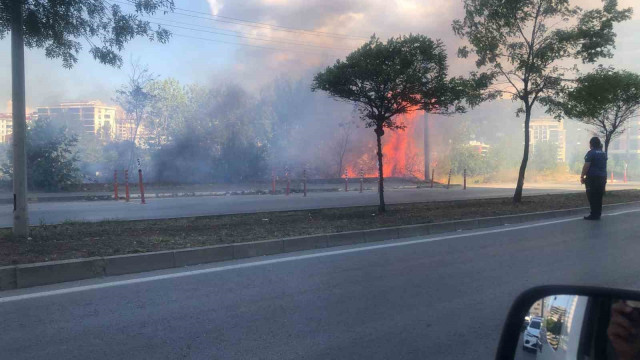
<point>387,79</point>
<point>52,162</point>
<point>605,99</point>
<point>63,27</point>
<point>404,74</point>
<point>529,45</point>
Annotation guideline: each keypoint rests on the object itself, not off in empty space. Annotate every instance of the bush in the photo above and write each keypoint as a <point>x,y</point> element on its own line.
<point>51,159</point>
<point>192,159</point>
<point>544,157</point>
<point>185,160</point>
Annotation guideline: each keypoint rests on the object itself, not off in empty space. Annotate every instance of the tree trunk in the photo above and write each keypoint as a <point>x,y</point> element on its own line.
<point>134,136</point>
<point>607,140</point>
<point>427,152</point>
<point>517,197</point>
<point>379,133</point>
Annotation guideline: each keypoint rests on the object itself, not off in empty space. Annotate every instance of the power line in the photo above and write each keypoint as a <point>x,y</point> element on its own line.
<point>209,27</point>
<point>249,45</point>
<point>254,24</point>
<point>250,37</point>
<point>277,26</point>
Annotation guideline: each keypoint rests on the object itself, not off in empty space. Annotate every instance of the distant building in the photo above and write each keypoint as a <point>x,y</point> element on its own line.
<point>629,142</point>
<point>480,147</point>
<point>6,128</point>
<point>536,309</point>
<point>549,131</point>
<point>126,129</point>
<point>92,117</point>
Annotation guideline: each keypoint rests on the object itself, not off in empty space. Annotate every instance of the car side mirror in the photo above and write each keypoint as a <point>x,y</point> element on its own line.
<point>572,323</point>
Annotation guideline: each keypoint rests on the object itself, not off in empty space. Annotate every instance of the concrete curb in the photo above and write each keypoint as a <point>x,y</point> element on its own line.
<point>28,275</point>
<point>168,195</point>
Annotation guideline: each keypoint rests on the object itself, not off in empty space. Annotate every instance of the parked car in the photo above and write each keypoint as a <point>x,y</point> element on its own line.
<point>532,334</point>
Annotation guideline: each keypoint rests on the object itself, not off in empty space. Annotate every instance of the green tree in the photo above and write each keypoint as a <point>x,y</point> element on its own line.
<point>222,137</point>
<point>166,111</point>
<point>51,158</point>
<point>135,98</point>
<point>62,28</point>
<point>545,156</point>
<point>384,80</point>
<point>503,154</point>
<point>529,45</point>
<point>605,99</point>
<point>465,157</point>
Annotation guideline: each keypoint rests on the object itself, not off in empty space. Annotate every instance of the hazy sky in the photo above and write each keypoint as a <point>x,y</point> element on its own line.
<point>214,57</point>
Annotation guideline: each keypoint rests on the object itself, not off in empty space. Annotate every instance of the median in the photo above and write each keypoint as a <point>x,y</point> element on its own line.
<point>73,240</point>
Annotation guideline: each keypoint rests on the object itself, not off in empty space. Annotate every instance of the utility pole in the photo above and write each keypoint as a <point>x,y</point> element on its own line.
<point>20,216</point>
<point>427,152</point>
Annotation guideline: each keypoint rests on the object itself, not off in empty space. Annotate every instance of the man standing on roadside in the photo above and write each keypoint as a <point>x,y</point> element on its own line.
<point>594,176</point>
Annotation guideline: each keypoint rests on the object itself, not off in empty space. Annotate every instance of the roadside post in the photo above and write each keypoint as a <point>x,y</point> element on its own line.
<point>273,182</point>
<point>115,184</point>
<point>304,181</point>
<point>286,174</point>
<point>126,185</point>
<point>346,180</point>
<point>465,180</point>
<point>141,183</point>
<point>361,179</point>
<point>433,174</point>
<point>449,181</point>
<point>625,172</point>
<point>612,176</point>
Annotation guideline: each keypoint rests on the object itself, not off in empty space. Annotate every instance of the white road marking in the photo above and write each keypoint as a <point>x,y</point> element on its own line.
<point>285,259</point>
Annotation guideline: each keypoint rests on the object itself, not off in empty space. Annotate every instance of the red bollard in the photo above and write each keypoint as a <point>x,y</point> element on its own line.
<point>273,183</point>
<point>288,181</point>
<point>433,173</point>
<point>304,182</point>
<point>612,177</point>
<point>126,185</point>
<point>141,187</point>
<point>115,184</point>
<point>449,181</point>
<point>465,180</point>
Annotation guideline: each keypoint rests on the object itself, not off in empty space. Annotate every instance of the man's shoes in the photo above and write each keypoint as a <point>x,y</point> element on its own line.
<point>591,217</point>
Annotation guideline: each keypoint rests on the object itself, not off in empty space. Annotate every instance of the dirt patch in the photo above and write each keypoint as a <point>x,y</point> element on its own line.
<point>77,240</point>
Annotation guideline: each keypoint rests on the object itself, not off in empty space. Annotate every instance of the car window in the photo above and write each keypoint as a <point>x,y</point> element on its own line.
<point>535,325</point>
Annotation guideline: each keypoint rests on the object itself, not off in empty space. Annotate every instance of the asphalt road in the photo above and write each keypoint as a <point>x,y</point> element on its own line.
<point>429,298</point>
<point>57,212</point>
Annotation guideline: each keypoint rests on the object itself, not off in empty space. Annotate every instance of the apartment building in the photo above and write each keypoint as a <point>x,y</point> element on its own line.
<point>92,117</point>
<point>549,131</point>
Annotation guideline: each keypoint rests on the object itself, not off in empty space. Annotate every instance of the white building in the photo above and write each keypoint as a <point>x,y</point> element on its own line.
<point>549,131</point>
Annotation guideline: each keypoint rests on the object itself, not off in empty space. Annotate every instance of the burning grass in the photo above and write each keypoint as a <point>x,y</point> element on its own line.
<point>76,240</point>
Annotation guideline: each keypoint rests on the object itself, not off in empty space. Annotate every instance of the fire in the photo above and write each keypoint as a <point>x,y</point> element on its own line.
<point>402,151</point>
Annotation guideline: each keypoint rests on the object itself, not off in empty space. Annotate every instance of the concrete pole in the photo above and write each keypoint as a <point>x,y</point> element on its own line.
<point>427,152</point>
<point>20,215</point>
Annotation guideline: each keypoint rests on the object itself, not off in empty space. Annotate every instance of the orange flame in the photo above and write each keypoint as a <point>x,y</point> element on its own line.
<point>402,151</point>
